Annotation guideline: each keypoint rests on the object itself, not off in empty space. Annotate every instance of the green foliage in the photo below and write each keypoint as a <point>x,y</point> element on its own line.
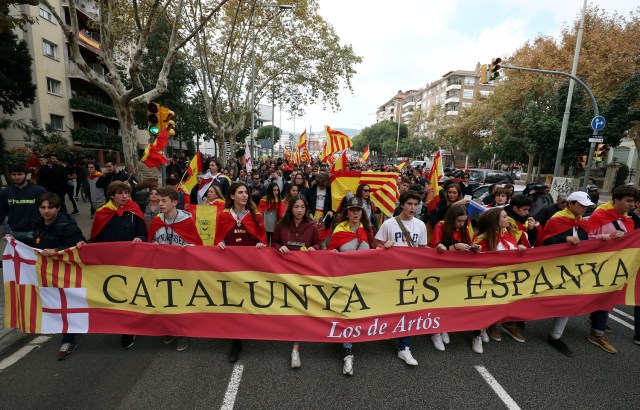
<point>16,89</point>
<point>86,136</point>
<point>621,175</point>
<point>264,133</point>
<point>381,137</point>
<point>85,104</point>
<point>18,156</point>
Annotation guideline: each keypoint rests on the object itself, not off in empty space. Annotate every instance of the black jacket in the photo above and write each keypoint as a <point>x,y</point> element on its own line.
<point>312,196</point>
<point>62,233</point>
<point>123,228</point>
<point>546,213</point>
<point>104,180</point>
<point>562,237</point>
<point>53,178</point>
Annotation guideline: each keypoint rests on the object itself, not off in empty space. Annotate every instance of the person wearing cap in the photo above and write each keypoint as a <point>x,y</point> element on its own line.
<point>412,233</point>
<point>353,234</point>
<point>18,203</point>
<point>566,226</point>
<point>610,221</point>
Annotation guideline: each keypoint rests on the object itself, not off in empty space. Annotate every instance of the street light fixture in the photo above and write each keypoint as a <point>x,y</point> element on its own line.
<point>281,7</point>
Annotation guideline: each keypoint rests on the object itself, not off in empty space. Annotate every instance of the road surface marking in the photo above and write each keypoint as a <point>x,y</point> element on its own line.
<point>497,388</point>
<point>25,350</point>
<point>621,313</point>
<point>232,388</point>
<point>622,322</point>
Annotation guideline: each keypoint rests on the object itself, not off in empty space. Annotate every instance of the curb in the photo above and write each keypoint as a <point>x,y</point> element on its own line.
<point>9,337</point>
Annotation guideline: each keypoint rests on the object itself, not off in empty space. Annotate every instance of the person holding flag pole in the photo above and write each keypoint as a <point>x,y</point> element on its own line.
<point>215,177</point>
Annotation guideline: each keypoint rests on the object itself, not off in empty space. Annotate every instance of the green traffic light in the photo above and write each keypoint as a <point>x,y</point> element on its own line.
<point>153,130</point>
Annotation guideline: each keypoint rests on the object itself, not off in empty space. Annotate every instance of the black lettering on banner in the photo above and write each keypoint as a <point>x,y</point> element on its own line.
<point>426,285</point>
<point>252,293</point>
<point>545,281</point>
<point>498,283</point>
<point>327,300</point>
<point>596,272</point>
<point>617,275</point>
<point>169,290</point>
<point>225,297</point>
<point>359,298</point>
<point>205,294</point>
<point>145,293</point>
<point>105,288</point>
<point>478,284</point>
<point>516,280</point>
<point>564,271</point>
<point>303,300</point>
<point>411,290</point>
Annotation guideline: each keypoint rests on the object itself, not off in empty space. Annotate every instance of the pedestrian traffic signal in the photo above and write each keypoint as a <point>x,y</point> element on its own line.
<point>153,119</point>
<point>494,69</point>
<point>582,161</point>
<point>166,120</point>
<point>601,153</point>
<point>484,70</point>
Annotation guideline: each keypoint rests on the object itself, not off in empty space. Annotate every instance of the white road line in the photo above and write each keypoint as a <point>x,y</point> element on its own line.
<point>497,388</point>
<point>11,360</point>
<point>622,322</point>
<point>621,313</point>
<point>232,388</point>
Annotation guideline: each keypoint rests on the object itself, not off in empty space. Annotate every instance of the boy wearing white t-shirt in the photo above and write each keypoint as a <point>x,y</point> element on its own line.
<point>391,234</point>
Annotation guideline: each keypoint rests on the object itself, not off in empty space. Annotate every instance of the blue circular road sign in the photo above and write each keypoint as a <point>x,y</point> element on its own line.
<point>598,123</point>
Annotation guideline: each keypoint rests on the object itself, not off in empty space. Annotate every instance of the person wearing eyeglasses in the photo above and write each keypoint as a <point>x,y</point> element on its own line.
<point>548,211</point>
<point>465,186</point>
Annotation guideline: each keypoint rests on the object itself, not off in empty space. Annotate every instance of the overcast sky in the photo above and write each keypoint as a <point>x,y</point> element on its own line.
<point>406,44</point>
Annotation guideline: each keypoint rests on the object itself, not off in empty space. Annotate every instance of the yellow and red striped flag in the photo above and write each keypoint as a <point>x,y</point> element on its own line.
<point>287,154</point>
<point>402,165</point>
<point>341,163</point>
<point>336,141</point>
<point>434,177</point>
<point>194,167</point>
<point>365,155</point>
<point>348,181</point>
<point>304,155</point>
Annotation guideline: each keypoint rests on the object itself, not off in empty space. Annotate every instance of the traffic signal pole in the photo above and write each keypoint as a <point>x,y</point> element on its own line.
<point>596,113</point>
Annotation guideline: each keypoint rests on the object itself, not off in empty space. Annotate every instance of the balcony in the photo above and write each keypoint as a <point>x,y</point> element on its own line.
<point>454,86</point>
<point>73,71</point>
<point>452,112</point>
<point>408,104</point>
<point>451,100</point>
<point>92,138</point>
<point>82,104</point>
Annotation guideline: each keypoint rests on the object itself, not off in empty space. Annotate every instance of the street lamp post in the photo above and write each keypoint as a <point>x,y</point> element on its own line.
<point>281,7</point>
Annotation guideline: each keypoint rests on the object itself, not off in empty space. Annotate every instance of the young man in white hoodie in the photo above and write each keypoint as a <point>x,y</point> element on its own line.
<point>173,226</point>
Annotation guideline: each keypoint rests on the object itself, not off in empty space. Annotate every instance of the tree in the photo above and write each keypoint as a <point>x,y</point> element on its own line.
<point>125,31</point>
<point>15,19</point>
<point>298,62</point>
<point>265,133</point>
<point>379,134</point>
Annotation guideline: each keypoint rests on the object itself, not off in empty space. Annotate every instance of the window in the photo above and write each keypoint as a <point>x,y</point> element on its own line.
<point>469,80</point>
<point>45,13</point>
<point>467,94</point>
<point>485,93</point>
<point>53,86</point>
<point>57,122</point>
<point>49,49</point>
<point>466,105</point>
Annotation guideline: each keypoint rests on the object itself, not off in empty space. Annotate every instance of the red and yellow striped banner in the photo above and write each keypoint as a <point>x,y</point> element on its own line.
<point>383,185</point>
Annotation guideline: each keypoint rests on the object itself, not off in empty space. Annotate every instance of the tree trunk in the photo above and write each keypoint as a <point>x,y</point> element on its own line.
<point>532,157</point>
<point>128,132</point>
<point>539,168</point>
<point>636,176</point>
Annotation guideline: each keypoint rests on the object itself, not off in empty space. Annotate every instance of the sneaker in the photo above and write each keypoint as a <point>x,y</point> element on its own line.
<point>560,346</point>
<point>183,344</point>
<point>127,341</point>
<point>636,340</point>
<point>494,333</point>
<point>600,340</point>
<point>514,332</point>
<point>407,357</point>
<point>484,336</point>
<point>65,350</point>
<point>476,344</point>
<point>607,328</point>
<point>445,338</point>
<point>295,359</point>
<point>168,339</point>
<point>437,342</point>
<point>75,212</point>
<point>347,367</point>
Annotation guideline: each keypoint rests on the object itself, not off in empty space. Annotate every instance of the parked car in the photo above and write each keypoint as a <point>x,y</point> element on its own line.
<point>424,164</point>
<point>483,190</point>
<point>489,176</point>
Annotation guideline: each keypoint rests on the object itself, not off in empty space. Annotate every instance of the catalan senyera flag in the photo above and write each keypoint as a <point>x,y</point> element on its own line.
<point>287,154</point>
<point>341,163</point>
<point>204,291</point>
<point>194,167</point>
<point>348,181</point>
<point>336,141</point>
<point>365,154</point>
<point>206,218</point>
<point>153,156</point>
<point>435,174</point>
<point>304,155</point>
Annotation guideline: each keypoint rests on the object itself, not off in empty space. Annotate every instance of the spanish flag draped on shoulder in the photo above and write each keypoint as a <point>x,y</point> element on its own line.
<point>605,214</point>
<point>383,185</point>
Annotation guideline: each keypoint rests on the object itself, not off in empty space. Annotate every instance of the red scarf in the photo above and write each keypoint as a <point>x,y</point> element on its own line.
<point>226,222</point>
<point>504,237</point>
<point>108,211</point>
<point>438,235</point>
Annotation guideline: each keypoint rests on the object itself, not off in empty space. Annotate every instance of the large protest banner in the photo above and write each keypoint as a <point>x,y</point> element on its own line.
<point>249,293</point>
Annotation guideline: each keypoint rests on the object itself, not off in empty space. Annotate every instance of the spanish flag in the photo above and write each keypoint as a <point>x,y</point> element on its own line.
<point>153,156</point>
<point>435,174</point>
<point>341,163</point>
<point>287,154</point>
<point>194,167</point>
<point>402,165</point>
<point>605,214</point>
<point>343,234</point>
<point>365,155</point>
<point>561,222</point>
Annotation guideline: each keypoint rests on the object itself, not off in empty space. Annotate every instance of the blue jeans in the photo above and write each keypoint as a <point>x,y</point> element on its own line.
<point>404,342</point>
<point>599,321</point>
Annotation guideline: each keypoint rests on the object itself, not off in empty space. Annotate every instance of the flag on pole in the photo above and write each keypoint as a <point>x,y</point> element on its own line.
<point>336,141</point>
<point>287,154</point>
<point>194,167</point>
<point>402,165</point>
<point>304,155</point>
<point>365,155</point>
<point>341,162</point>
<point>435,174</point>
<point>247,158</point>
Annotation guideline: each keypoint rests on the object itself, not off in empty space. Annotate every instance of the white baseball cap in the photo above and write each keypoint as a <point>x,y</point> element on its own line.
<point>581,197</point>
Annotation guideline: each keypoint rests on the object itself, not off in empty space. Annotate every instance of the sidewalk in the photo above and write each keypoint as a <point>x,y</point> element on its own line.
<point>8,336</point>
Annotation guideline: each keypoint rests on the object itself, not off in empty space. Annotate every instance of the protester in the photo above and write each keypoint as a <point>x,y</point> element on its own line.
<point>214,198</point>
<point>240,224</point>
<point>271,208</point>
<point>404,230</point>
<point>53,177</point>
<point>452,195</point>
<point>548,211</point>
<point>215,177</point>
<point>53,232</point>
<point>97,195</point>
<point>295,232</point>
<point>110,175</point>
<point>153,206</point>
<point>500,197</point>
<point>320,205</point>
<point>18,205</point>
<point>173,226</point>
<point>69,187</point>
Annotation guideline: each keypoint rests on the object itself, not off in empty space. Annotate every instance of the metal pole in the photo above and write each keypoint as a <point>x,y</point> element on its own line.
<point>273,122</point>
<point>567,109</point>
<point>398,142</point>
<point>253,78</point>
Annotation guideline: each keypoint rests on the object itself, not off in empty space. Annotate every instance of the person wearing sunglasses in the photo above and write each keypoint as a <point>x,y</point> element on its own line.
<point>465,186</point>
<point>548,211</point>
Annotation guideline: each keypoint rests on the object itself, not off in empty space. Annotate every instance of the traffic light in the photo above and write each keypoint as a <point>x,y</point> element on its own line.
<point>166,120</point>
<point>582,161</point>
<point>601,153</point>
<point>153,119</point>
<point>484,69</point>
<point>494,69</point>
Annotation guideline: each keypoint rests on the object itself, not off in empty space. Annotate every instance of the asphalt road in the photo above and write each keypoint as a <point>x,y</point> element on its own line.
<point>99,375</point>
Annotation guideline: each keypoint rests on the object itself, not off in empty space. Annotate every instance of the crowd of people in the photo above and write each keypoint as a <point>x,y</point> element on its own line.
<point>290,208</point>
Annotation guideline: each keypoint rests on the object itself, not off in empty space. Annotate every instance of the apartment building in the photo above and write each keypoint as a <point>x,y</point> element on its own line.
<point>65,98</point>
